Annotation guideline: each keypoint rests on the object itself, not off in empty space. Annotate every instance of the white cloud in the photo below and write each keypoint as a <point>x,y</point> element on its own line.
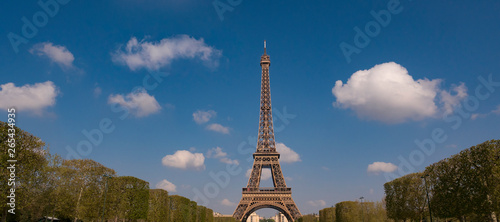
<point>229,161</point>
<point>97,91</point>
<point>56,53</point>
<point>265,174</point>
<point>287,154</point>
<point>475,116</point>
<point>154,55</point>
<point>325,168</point>
<point>378,167</point>
<point>317,203</point>
<point>139,102</point>
<point>166,185</point>
<point>221,155</point>
<point>184,159</point>
<point>451,100</point>
<point>218,128</point>
<point>216,153</point>
<point>33,98</point>
<point>201,117</point>
<point>387,93</point>
<point>227,202</point>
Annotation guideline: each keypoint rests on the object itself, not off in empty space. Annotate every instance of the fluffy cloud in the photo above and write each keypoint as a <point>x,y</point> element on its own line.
<point>56,53</point>
<point>387,93</point>
<point>32,98</point>
<point>201,117</point>
<point>317,203</point>
<point>166,185</point>
<point>227,202</point>
<point>139,102</point>
<point>265,174</point>
<point>221,155</point>
<point>218,128</point>
<point>184,159</point>
<point>287,154</point>
<point>378,167</point>
<point>216,153</point>
<point>154,55</point>
<point>451,99</point>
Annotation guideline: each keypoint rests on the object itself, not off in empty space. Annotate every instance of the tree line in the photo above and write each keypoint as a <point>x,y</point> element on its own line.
<point>354,211</point>
<point>74,190</point>
<point>464,187</point>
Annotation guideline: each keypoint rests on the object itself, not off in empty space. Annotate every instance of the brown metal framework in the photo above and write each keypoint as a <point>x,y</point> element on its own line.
<point>278,197</point>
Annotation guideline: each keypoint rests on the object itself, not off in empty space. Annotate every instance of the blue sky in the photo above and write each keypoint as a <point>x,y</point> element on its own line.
<point>352,89</point>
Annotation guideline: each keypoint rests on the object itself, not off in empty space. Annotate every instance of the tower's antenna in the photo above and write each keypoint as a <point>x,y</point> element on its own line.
<point>264,46</point>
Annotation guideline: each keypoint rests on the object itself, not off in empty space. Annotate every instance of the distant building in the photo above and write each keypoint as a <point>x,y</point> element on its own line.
<point>217,214</point>
<point>279,217</point>
<point>254,217</point>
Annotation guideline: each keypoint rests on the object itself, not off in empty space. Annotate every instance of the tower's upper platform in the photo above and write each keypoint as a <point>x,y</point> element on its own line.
<point>264,59</point>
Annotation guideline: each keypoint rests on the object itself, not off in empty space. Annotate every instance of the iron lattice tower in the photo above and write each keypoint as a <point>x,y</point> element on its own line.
<point>278,197</point>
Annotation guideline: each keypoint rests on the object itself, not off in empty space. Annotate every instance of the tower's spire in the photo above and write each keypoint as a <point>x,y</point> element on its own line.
<point>264,47</point>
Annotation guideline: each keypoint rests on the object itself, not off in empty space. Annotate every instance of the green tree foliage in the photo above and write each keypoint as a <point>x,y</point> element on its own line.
<point>201,214</point>
<point>128,198</point>
<point>467,184</point>
<point>308,218</point>
<point>158,205</point>
<point>84,183</point>
<point>349,211</point>
<point>193,209</point>
<point>179,208</point>
<point>224,219</point>
<point>210,215</point>
<point>327,214</point>
<point>31,155</point>
<point>74,190</point>
<point>405,197</point>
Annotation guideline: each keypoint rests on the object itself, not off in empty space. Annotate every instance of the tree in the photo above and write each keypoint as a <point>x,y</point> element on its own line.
<point>327,214</point>
<point>467,184</point>
<point>405,197</point>
<point>179,208</point>
<point>308,218</point>
<point>347,211</point>
<point>158,205</point>
<point>30,153</point>
<point>201,214</point>
<point>84,183</point>
<point>210,215</point>
<point>128,198</point>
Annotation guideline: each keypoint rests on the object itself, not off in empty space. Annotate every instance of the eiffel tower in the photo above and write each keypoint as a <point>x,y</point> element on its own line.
<point>278,197</point>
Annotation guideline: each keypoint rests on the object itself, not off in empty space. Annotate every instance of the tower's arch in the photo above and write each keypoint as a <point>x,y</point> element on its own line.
<point>276,206</point>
